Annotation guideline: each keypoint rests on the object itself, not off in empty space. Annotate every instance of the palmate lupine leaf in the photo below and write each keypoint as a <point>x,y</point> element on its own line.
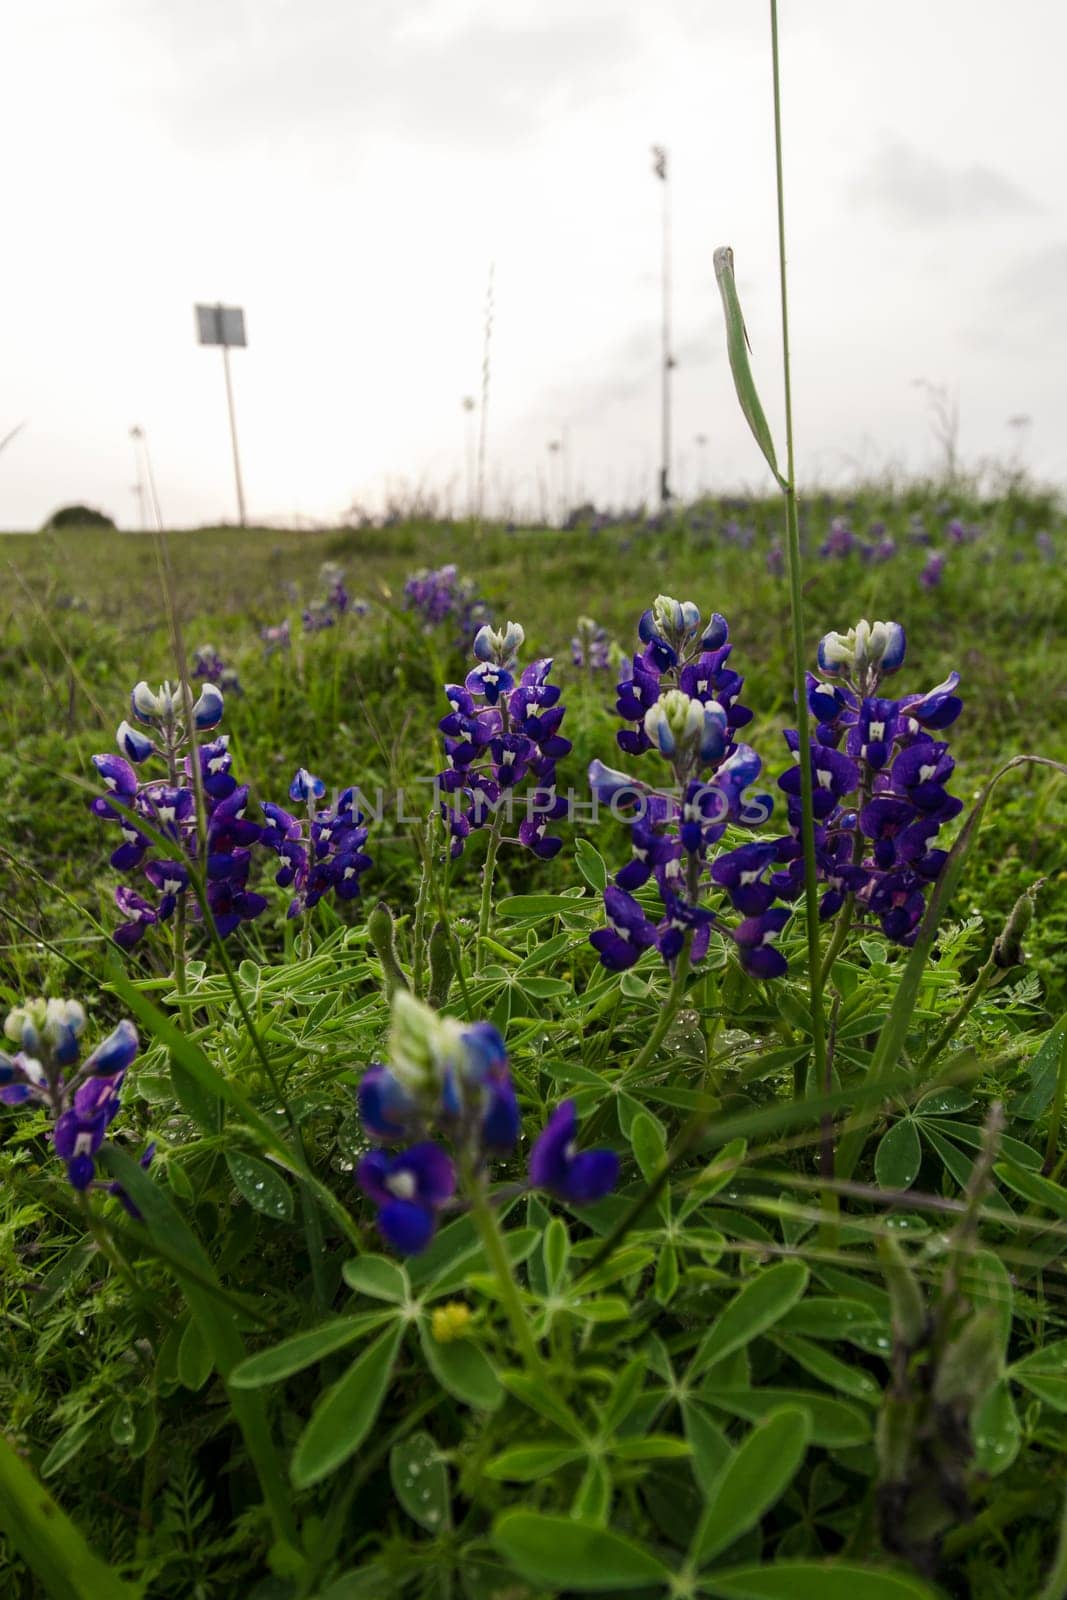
<point>894,1031</point>
<point>48,1541</point>
<point>162,1221</point>
<point>737,348</point>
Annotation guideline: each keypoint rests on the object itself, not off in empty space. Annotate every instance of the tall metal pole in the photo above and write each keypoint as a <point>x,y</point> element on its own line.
<point>659,167</point>
<point>233,432</point>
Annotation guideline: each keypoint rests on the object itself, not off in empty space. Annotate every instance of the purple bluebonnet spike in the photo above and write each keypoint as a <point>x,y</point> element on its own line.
<point>556,1165</point>
<point>409,1190</point>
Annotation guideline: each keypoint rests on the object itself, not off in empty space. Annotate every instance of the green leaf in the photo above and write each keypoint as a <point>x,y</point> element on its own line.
<point>592,1502</point>
<point>420,1481</point>
<point>1032,1186</point>
<point>894,1032</point>
<point>756,1307</point>
<point>997,1434</point>
<point>526,1463</point>
<point>70,1442</point>
<point>649,1144</point>
<point>204,1107</point>
<point>544,988</point>
<point>834,1423</point>
<point>49,1543</point>
<point>377,1277</point>
<point>345,1414</point>
<point>737,350</point>
<point>540,906</point>
<point>837,1374</point>
<point>753,1480</point>
<point>463,1368</point>
<point>819,1317</point>
<point>591,865</point>
<point>195,1275</point>
<point>653,1447</point>
<point>1044,1373</point>
<point>899,1156</point>
<point>195,1361</point>
<point>1044,1070</point>
<point>814,1580</point>
<point>986,1282</point>
<point>303,1350</point>
<point>710,1447</point>
<point>562,1553</point>
<point>261,1185</point>
<point>556,1249</point>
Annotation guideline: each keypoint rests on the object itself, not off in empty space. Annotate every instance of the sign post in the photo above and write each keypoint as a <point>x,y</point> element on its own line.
<point>225,326</point>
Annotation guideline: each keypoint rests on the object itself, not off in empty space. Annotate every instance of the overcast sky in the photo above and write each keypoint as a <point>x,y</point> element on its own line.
<point>347,170</point>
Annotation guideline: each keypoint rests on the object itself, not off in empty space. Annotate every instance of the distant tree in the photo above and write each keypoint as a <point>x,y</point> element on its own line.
<point>78,517</point>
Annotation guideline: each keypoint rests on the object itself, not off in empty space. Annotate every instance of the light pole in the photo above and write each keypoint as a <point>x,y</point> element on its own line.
<point>659,168</point>
<point>225,326</point>
<point>469,408</point>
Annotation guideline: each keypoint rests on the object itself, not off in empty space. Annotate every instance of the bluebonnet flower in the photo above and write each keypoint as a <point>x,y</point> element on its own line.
<point>207,663</point>
<point>318,615</point>
<point>439,595</point>
<point>321,850</point>
<point>879,803</point>
<point>591,647</point>
<point>82,1102</point>
<point>167,805</point>
<point>840,541</point>
<point>934,570</point>
<point>502,734</point>
<point>452,1079</point>
<point>276,637</point>
<point>558,1166</point>
<point>409,1190</point>
<point>684,701</point>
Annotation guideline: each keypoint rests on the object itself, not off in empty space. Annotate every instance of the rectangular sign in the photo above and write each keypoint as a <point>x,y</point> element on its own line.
<point>221,325</point>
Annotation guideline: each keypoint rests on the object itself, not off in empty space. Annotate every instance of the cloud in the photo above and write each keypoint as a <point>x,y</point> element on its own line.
<point>376,73</point>
<point>918,189</point>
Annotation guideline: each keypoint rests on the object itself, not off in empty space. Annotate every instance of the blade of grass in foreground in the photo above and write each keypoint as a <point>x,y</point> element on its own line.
<point>48,1541</point>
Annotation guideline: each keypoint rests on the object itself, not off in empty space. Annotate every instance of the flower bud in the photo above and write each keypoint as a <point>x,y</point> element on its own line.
<point>61,1017</point>
<point>450,1321</point>
<point>441,964</point>
<point>383,938</point>
<point>668,614</point>
<point>115,1053</point>
<point>207,712</point>
<point>144,703</point>
<point>971,1363</point>
<point>1008,947</point>
<point>675,723</point>
<point>499,647</point>
<point>135,745</point>
<point>424,1049</point>
<point>907,1309</point>
<point>867,648</point>
<point>25,1024</point>
<point>305,786</point>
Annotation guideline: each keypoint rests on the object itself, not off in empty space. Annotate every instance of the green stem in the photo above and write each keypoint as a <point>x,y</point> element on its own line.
<point>796,609</point>
<point>107,1246</point>
<point>666,1016</point>
<point>1055,1122</point>
<point>488,874</point>
<point>180,977</point>
<point>493,1244</point>
<point>837,943</point>
<point>966,1005</point>
<point>418,954</point>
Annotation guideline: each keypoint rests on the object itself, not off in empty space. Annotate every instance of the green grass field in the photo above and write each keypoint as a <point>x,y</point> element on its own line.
<point>715,1346</point>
